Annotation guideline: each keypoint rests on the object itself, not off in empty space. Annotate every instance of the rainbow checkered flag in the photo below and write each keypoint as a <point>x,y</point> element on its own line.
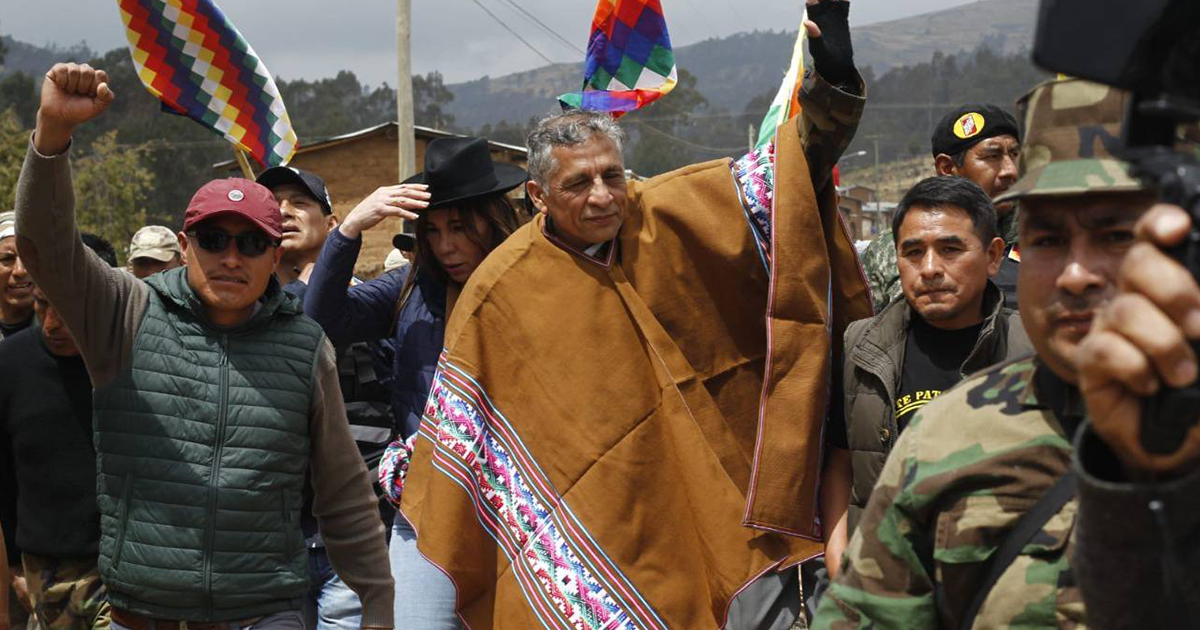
<point>630,62</point>
<point>192,58</point>
<point>787,100</point>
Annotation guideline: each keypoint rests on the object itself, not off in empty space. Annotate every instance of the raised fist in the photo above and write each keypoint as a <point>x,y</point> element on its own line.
<point>71,94</point>
<point>828,27</point>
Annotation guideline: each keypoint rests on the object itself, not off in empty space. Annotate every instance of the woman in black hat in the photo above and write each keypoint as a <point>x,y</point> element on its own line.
<point>458,203</point>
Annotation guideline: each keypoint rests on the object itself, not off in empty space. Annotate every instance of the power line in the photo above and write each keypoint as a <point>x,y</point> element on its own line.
<point>702,17</point>
<point>686,143</point>
<point>514,33</point>
<point>533,18</point>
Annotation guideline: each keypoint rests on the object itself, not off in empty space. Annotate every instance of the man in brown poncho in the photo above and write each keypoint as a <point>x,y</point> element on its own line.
<point>625,429</point>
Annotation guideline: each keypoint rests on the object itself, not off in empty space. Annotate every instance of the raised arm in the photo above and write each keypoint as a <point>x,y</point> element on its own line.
<point>364,312</point>
<point>832,98</point>
<point>833,94</point>
<point>101,305</point>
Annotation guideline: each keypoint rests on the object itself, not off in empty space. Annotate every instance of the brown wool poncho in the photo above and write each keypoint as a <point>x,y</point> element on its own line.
<point>626,442</point>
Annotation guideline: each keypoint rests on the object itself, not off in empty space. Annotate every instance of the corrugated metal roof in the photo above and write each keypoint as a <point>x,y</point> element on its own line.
<point>419,130</point>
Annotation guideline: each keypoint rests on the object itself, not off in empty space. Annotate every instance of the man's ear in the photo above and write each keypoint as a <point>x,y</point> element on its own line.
<point>183,243</point>
<point>944,165</point>
<point>331,221</point>
<point>537,195</point>
<point>995,253</point>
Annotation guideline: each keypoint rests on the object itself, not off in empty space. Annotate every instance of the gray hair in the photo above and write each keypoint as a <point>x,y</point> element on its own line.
<point>567,129</point>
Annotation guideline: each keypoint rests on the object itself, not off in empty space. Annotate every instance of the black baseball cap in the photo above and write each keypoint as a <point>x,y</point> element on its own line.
<point>279,175</point>
<point>404,242</point>
<point>968,125</point>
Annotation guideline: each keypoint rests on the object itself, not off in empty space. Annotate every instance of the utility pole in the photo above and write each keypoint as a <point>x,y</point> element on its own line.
<point>404,95</point>
<point>878,181</point>
<point>878,196</point>
<point>878,174</point>
<point>751,136</point>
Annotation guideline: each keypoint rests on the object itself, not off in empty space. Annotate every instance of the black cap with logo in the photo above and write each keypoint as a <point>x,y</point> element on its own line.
<point>971,124</point>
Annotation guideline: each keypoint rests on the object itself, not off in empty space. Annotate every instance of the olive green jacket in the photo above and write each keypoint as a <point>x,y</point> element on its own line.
<point>871,376</point>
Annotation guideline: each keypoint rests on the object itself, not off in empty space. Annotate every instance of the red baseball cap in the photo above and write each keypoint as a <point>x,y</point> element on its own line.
<point>235,196</point>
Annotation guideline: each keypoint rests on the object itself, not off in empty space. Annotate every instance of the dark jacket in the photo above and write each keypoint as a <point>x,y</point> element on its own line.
<point>367,312</point>
<point>873,368</point>
<point>1145,533</point>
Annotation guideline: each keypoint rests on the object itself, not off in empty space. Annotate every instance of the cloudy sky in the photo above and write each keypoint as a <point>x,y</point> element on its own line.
<point>316,38</point>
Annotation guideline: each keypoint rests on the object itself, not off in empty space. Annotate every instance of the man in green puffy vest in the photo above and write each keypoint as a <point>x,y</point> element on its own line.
<point>214,397</point>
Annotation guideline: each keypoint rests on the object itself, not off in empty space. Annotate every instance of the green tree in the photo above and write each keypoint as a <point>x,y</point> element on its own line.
<point>14,138</point>
<point>506,132</point>
<point>430,98</point>
<point>18,91</point>
<point>661,129</point>
<point>112,186</point>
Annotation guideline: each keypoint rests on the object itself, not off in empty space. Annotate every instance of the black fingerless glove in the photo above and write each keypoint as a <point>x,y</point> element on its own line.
<point>832,52</point>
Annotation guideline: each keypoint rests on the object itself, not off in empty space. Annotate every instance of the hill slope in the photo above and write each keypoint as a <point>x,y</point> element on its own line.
<point>35,60</point>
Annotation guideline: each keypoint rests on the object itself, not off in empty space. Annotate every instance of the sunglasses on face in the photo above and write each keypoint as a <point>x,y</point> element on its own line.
<point>250,243</point>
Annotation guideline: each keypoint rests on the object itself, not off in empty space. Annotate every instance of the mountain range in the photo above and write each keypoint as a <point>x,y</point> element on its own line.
<point>731,71</point>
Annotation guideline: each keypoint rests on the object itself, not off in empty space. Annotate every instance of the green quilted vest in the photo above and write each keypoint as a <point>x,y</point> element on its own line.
<point>202,444</point>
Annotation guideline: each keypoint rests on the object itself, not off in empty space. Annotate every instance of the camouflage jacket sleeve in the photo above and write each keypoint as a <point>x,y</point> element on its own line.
<point>828,120</point>
<point>968,467</point>
<point>879,266</point>
<point>886,579</point>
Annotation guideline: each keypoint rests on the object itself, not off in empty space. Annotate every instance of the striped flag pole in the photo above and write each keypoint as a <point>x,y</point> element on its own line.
<point>240,154</point>
<point>193,59</point>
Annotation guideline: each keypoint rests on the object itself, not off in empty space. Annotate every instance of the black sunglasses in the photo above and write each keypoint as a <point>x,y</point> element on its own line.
<point>250,243</point>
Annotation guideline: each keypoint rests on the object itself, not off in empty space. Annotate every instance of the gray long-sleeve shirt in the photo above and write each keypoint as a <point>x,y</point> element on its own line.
<point>1135,557</point>
<point>103,307</point>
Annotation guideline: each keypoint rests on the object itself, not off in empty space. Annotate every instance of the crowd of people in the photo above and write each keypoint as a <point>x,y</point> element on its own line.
<point>623,404</point>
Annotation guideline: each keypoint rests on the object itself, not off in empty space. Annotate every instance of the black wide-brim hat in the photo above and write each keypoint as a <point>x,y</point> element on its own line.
<point>457,169</point>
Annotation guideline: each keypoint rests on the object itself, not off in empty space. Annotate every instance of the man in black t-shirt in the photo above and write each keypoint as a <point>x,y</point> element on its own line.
<point>951,322</point>
<point>46,435</point>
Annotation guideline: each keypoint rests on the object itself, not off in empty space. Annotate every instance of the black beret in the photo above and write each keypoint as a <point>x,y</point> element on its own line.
<point>404,242</point>
<point>969,125</point>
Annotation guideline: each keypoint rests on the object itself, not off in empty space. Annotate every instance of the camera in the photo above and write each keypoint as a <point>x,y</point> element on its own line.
<point>1150,48</point>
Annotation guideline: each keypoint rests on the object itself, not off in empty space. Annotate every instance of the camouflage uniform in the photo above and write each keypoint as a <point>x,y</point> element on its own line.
<point>975,460</point>
<point>879,266</point>
<point>66,594</point>
<point>950,490</point>
<point>831,116</point>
